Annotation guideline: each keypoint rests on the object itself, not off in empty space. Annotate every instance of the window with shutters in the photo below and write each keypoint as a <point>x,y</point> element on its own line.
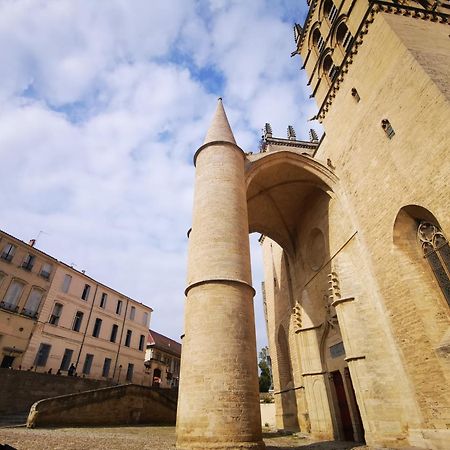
<point>56,314</point>
<point>28,262</point>
<point>114,330</point>
<point>12,296</point>
<point>42,355</point>
<point>128,338</point>
<point>8,252</point>
<point>78,319</point>
<point>103,300</point>
<point>88,364</point>
<point>86,290</point>
<point>97,327</point>
<point>67,358</point>
<point>141,342</point>
<point>33,302</point>
<point>106,367</point>
<point>46,271</point>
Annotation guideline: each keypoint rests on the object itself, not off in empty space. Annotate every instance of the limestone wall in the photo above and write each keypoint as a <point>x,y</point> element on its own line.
<point>397,80</point>
<point>118,405</point>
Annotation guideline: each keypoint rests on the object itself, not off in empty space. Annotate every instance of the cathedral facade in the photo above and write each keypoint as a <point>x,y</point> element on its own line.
<point>355,241</point>
<point>357,281</point>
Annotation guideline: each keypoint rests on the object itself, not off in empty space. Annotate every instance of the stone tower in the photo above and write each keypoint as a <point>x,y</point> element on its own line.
<point>219,401</point>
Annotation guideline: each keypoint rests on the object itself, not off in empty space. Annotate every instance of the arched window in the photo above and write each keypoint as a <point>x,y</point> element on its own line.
<point>436,250</point>
<point>318,41</point>
<point>330,11</point>
<point>343,37</point>
<point>329,68</point>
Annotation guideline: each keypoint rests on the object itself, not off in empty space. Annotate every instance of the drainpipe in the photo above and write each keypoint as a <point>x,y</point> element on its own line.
<point>87,326</point>
<point>120,343</point>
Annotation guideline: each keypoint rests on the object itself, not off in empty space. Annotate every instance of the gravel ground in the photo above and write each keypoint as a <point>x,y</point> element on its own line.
<point>130,438</point>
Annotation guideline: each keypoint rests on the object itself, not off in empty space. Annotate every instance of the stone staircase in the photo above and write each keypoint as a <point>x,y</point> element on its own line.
<point>17,419</point>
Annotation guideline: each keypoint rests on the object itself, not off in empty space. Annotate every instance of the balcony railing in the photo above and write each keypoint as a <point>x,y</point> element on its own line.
<point>27,266</point>
<point>29,313</point>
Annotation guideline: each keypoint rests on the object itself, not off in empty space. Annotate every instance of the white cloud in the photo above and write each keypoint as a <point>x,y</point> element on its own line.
<point>103,106</point>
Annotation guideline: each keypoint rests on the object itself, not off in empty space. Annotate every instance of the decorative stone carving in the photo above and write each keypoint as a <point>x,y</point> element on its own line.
<point>297,313</point>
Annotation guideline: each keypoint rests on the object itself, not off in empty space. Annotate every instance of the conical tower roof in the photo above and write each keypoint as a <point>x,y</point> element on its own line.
<point>219,129</point>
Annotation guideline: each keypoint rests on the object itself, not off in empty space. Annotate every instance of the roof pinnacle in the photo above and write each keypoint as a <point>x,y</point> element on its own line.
<point>219,129</point>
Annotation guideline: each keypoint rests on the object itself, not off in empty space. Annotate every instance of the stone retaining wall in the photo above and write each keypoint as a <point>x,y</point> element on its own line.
<point>118,405</point>
<point>20,389</point>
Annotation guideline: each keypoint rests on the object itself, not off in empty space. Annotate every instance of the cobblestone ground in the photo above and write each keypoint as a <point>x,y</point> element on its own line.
<point>134,438</point>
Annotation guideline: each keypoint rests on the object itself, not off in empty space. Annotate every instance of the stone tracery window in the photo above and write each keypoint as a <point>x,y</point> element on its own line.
<point>436,250</point>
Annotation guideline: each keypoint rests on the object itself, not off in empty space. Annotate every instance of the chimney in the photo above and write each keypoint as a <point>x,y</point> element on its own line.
<point>32,242</point>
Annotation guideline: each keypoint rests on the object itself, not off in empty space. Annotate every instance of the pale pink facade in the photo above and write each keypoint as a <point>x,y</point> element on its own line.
<point>53,316</point>
<point>85,323</point>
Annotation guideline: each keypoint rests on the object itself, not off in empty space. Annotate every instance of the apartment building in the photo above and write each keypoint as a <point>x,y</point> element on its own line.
<point>75,325</point>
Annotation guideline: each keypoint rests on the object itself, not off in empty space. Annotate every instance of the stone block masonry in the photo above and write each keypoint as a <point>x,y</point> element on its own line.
<point>118,405</point>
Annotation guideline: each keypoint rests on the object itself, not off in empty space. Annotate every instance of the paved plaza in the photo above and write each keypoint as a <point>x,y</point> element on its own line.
<point>130,438</point>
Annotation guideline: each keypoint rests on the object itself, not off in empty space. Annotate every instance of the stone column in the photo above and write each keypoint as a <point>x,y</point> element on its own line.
<point>218,403</point>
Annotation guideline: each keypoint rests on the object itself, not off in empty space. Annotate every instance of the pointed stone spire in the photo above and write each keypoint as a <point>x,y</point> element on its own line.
<point>219,129</point>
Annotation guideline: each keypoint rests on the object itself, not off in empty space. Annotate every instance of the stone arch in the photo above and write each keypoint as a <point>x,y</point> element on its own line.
<point>279,184</point>
<point>342,19</point>
<point>326,63</point>
<point>289,197</point>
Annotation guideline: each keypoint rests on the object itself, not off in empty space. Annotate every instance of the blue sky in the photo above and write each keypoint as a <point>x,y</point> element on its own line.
<point>102,106</point>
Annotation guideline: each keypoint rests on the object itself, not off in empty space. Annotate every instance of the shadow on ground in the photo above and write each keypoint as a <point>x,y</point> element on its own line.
<point>317,446</point>
<point>282,441</point>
